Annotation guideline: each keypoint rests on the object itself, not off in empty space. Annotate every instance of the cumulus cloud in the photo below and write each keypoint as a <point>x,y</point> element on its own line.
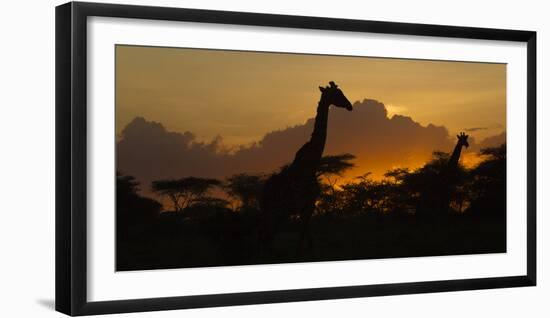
<point>150,152</point>
<point>493,141</point>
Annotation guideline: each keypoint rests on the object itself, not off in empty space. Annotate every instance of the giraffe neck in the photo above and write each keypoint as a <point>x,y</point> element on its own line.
<point>455,156</point>
<point>309,156</point>
<point>319,134</point>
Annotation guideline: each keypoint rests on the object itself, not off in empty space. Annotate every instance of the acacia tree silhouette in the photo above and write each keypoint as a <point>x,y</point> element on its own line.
<point>246,188</point>
<point>488,184</point>
<point>132,207</point>
<point>185,191</point>
<point>331,166</point>
<point>295,188</point>
<point>135,215</point>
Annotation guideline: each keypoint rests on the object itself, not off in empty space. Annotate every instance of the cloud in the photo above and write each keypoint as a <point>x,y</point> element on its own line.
<point>395,109</point>
<point>150,152</point>
<point>476,129</point>
<point>493,141</point>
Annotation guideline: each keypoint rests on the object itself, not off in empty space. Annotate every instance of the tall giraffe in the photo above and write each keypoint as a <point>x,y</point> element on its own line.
<point>450,172</point>
<point>295,189</point>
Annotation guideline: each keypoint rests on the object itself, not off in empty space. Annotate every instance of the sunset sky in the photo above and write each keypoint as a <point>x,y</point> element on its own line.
<point>213,113</point>
<point>244,95</point>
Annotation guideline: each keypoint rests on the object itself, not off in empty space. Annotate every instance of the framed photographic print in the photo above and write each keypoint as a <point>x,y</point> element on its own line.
<point>208,158</point>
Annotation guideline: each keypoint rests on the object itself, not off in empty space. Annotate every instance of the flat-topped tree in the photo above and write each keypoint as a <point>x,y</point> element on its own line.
<point>185,191</point>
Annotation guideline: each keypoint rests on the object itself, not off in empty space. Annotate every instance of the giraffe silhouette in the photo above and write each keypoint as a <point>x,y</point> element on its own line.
<point>436,197</point>
<point>294,190</point>
<point>450,173</point>
<point>452,165</point>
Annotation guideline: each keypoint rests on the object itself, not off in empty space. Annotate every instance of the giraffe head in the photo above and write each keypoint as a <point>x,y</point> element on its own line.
<point>463,139</point>
<point>332,95</point>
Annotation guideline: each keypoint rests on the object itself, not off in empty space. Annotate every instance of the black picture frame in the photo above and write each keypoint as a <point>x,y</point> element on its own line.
<point>71,157</point>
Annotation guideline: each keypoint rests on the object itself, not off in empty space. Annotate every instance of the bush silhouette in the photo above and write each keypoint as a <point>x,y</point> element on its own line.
<point>360,218</point>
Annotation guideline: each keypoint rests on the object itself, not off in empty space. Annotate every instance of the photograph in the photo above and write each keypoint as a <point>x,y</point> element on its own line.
<point>275,159</point>
<point>227,157</point>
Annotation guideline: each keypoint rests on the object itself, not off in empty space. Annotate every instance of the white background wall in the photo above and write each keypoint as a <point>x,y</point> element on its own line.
<point>27,158</point>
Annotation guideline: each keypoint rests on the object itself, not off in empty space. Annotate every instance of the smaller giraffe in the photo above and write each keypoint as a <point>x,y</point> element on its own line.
<point>455,156</point>
<point>449,176</point>
<point>435,199</point>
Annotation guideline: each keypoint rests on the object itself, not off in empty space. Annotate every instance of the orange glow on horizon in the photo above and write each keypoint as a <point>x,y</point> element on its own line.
<point>236,98</point>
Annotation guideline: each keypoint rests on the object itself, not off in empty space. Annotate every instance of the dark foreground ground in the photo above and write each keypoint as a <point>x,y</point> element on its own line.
<point>173,241</point>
